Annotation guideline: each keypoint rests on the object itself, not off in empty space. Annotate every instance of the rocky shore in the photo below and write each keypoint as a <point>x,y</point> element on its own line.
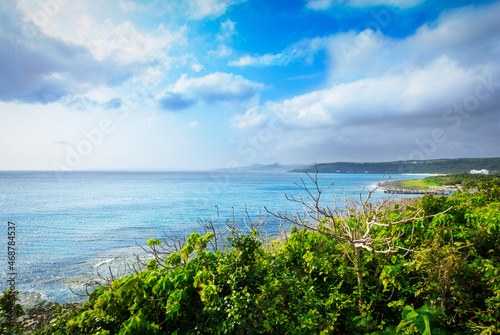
<point>39,312</point>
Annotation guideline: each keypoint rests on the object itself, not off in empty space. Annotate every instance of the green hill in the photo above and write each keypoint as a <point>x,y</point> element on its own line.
<point>441,166</point>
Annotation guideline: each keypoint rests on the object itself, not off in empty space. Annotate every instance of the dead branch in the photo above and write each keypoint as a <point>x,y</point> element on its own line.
<point>356,223</point>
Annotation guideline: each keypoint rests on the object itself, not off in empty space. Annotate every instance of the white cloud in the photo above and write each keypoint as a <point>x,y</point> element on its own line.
<point>416,97</point>
<point>360,55</point>
<point>122,42</point>
<point>199,9</point>
<point>56,51</point>
<point>319,4</point>
<point>305,49</point>
<point>212,88</point>
<point>116,40</point>
<point>41,69</point>
<point>197,67</point>
<point>397,94</point>
<point>227,30</point>
<point>327,4</point>
<point>222,51</point>
<point>193,124</point>
<point>217,86</point>
<point>470,33</point>
<point>251,119</point>
<point>466,35</point>
<point>265,60</point>
<point>127,6</point>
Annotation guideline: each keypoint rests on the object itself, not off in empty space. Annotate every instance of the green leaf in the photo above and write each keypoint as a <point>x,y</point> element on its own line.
<point>176,308</point>
<point>193,238</point>
<point>152,241</point>
<point>406,311</point>
<point>423,325</point>
<point>174,258</point>
<point>396,303</point>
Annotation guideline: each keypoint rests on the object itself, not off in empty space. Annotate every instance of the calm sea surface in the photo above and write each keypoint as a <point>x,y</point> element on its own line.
<point>67,223</point>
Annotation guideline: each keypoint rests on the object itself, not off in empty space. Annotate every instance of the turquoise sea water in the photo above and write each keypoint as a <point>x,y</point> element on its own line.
<point>67,223</point>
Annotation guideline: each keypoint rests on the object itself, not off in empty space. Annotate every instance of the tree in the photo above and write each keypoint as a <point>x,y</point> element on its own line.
<point>9,311</point>
<point>361,225</point>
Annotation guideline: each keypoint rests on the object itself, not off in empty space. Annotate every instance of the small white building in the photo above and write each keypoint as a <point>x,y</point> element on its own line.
<point>483,171</point>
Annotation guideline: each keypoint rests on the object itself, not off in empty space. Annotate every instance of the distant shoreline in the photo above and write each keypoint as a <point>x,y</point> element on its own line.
<point>411,167</point>
<point>422,174</point>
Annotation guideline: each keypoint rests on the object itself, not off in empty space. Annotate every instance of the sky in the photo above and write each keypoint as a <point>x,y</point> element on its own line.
<point>202,84</point>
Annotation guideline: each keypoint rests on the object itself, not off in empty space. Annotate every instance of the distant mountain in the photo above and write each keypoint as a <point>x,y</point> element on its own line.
<point>280,167</point>
<point>432,166</point>
<point>270,167</point>
<point>250,167</point>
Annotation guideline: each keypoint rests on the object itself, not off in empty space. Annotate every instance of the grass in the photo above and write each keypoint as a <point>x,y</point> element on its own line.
<point>454,179</point>
<point>413,184</point>
<point>444,180</point>
<point>416,184</point>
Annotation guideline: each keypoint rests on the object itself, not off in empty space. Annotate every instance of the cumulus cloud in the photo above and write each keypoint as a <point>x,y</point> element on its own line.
<point>215,87</point>
<point>122,42</point>
<point>469,33</point>
<point>44,63</point>
<point>252,118</point>
<point>174,102</point>
<point>199,9</point>
<point>466,35</point>
<point>218,86</point>
<point>416,97</point>
<point>443,77</point>
<point>39,69</point>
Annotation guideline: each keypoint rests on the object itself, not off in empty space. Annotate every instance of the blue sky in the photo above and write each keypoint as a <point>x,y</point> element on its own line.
<point>200,84</point>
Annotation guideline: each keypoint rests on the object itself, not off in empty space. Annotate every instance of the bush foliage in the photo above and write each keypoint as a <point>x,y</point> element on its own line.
<point>467,180</point>
<point>447,282</point>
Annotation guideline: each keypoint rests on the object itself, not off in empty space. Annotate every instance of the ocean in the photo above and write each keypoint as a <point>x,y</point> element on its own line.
<point>68,223</point>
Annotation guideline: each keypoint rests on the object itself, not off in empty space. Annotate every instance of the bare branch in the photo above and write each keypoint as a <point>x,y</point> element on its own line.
<point>357,223</point>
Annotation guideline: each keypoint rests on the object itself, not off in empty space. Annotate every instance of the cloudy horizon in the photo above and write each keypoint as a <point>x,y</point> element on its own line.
<point>202,84</point>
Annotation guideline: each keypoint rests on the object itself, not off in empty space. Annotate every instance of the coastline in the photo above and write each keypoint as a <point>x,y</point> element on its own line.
<point>39,311</point>
<point>424,174</point>
<point>120,219</point>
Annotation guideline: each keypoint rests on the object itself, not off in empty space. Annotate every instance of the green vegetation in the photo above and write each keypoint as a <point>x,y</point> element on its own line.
<point>432,166</point>
<point>471,180</point>
<point>467,181</point>
<point>421,184</point>
<point>425,274</point>
<point>9,309</point>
